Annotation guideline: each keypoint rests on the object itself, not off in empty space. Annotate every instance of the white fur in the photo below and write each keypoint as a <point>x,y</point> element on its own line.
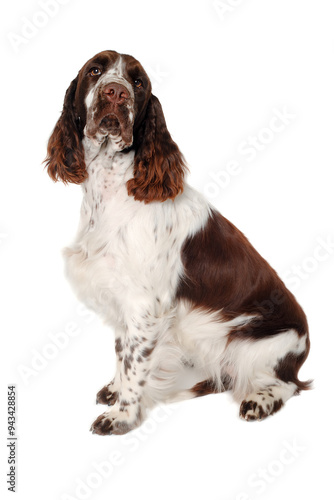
<point>124,251</point>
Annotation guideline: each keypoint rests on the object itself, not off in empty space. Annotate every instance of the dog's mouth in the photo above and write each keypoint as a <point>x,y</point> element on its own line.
<point>117,127</point>
<point>111,124</point>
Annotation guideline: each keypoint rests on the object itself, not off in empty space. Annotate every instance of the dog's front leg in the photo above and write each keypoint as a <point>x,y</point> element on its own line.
<point>134,350</point>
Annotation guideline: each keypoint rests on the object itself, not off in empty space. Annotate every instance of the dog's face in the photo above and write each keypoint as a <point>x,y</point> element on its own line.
<point>111,100</point>
<point>111,94</point>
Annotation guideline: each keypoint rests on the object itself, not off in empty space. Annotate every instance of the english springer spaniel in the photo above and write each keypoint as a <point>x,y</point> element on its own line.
<point>180,284</point>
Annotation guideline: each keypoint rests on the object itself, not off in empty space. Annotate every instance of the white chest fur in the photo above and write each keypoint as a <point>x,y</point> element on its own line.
<point>126,252</point>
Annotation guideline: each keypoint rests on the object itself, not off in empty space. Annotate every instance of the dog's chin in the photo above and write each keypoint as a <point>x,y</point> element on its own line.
<point>109,129</point>
<point>110,125</point>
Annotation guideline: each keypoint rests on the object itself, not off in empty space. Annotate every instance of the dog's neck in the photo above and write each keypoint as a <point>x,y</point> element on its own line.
<point>105,148</point>
<point>108,171</point>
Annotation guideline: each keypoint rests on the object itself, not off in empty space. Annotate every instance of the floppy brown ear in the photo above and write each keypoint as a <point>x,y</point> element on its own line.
<point>159,166</point>
<point>65,156</point>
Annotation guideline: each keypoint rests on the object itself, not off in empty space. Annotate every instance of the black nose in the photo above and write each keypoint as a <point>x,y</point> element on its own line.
<point>116,93</point>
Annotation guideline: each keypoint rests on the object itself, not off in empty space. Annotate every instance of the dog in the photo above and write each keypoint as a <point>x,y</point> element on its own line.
<point>179,283</point>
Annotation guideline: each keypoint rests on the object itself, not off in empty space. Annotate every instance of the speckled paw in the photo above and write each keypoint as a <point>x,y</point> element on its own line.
<point>259,405</point>
<point>107,424</point>
<point>106,396</point>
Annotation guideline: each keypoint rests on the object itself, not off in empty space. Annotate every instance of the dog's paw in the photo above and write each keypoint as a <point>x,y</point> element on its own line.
<point>260,405</point>
<point>107,395</point>
<point>113,422</point>
<point>102,425</point>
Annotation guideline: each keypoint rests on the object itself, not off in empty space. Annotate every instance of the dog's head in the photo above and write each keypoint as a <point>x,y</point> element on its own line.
<point>111,100</point>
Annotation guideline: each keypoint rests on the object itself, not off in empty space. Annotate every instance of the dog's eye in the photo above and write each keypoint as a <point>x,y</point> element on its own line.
<point>138,83</point>
<point>94,72</point>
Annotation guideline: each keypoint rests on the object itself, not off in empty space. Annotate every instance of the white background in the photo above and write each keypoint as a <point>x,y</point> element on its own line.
<point>220,72</point>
